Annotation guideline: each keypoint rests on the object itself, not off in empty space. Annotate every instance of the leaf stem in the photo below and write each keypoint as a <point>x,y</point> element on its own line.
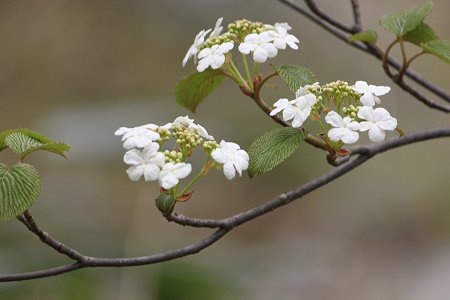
<point>405,67</point>
<point>399,77</point>
<point>385,58</point>
<point>255,69</point>
<point>239,76</point>
<point>247,70</point>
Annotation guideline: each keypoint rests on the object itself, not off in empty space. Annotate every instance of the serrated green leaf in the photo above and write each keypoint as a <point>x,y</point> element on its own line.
<point>439,48</point>
<point>24,141</point>
<point>19,188</point>
<point>3,135</point>
<point>423,33</point>
<point>19,142</point>
<point>406,21</point>
<point>368,36</point>
<point>295,77</point>
<point>192,89</point>
<point>57,148</point>
<point>272,148</point>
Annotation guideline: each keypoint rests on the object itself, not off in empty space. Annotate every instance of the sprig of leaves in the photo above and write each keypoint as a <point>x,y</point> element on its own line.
<point>24,141</point>
<point>20,183</point>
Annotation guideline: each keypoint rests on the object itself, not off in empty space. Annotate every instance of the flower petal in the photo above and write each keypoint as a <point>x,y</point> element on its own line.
<point>229,171</point>
<point>367,99</point>
<point>376,134</point>
<point>151,172</point>
<point>334,119</point>
<point>135,172</point>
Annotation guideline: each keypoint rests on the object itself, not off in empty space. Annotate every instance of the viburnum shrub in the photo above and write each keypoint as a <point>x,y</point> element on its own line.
<point>341,111</point>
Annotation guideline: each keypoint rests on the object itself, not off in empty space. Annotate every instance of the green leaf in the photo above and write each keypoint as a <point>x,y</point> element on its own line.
<point>19,188</point>
<point>19,142</point>
<point>368,36</point>
<point>57,148</point>
<point>273,148</point>
<point>406,21</point>
<point>24,141</point>
<point>3,136</point>
<point>295,77</point>
<point>439,48</point>
<point>191,90</point>
<point>423,33</point>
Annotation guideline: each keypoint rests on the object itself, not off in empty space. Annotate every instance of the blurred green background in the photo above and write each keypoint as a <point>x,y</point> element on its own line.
<point>77,70</point>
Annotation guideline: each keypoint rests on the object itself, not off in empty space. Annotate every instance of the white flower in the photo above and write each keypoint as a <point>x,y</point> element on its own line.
<point>302,91</point>
<point>232,158</point>
<point>297,110</point>
<point>302,110</point>
<point>217,28</point>
<point>377,121</point>
<point>193,50</point>
<point>345,129</point>
<point>281,37</point>
<point>171,174</point>
<point>146,162</point>
<point>370,92</point>
<point>214,56</point>
<point>189,123</point>
<point>281,105</point>
<point>260,44</point>
<point>138,137</point>
<point>183,121</point>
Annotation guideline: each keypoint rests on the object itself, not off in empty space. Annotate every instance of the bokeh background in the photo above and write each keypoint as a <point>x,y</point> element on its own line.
<point>77,70</point>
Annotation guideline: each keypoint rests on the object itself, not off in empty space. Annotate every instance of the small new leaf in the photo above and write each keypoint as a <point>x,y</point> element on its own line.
<point>24,141</point>
<point>406,21</point>
<point>423,33</point>
<point>295,77</point>
<point>273,148</point>
<point>438,48</point>
<point>192,89</point>
<point>368,36</point>
<point>19,188</point>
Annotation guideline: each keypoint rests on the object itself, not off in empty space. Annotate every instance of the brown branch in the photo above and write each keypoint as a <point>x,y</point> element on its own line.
<point>29,222</point>
<point>356,15</point>
<point>360,154</point>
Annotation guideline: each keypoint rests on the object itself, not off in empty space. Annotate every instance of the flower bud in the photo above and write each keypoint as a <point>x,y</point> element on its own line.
<point>165,203</point>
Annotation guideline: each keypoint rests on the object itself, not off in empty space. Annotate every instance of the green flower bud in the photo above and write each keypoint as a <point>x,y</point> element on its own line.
<point>165,203</point>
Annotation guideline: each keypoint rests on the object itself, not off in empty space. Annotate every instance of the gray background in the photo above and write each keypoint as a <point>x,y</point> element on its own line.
<point>78,70</point>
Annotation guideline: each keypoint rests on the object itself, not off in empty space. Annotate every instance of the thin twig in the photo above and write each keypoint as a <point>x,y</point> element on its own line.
<point>29,222</point>
<point>329,19</point>
<point>356,15</point>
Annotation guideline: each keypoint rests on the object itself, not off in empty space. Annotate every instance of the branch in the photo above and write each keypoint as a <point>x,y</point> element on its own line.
<point>334,22</point>
<point>374,51</point>
<point>29,222</point>
<point>360,154</point>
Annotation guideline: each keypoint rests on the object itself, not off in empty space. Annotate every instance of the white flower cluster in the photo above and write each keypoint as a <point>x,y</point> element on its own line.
<point>361,118</point>
<point>263,41</point>
<point>299,109</point>
<point>145,157</point>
